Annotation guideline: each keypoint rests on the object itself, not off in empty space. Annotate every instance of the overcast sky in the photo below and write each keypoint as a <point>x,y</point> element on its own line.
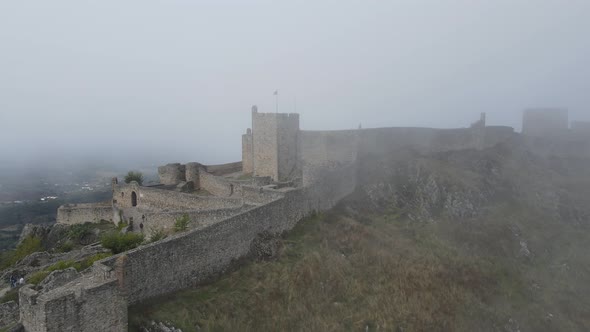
<point>116,79</point>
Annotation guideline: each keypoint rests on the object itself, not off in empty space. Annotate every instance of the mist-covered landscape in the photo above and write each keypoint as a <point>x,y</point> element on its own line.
<point>272,166</point>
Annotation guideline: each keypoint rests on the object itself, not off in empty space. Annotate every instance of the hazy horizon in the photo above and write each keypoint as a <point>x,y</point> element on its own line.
<point>143,81</point>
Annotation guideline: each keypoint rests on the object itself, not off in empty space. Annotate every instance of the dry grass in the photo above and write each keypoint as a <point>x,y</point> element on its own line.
<point>338,274</point>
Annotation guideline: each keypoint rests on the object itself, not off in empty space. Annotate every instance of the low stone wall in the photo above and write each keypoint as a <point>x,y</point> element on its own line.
<point>164,221</point>
<point>190,258</point>
<point>150,198</point>
<point>179,261</point>
<point>259,195</point>
<point>224,169</point>
<point>80,213</point>
<point>226,187</point>
<point>88,304</point>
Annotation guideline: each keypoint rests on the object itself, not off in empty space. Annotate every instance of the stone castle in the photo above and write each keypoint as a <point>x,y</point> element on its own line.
<point>285,175</point>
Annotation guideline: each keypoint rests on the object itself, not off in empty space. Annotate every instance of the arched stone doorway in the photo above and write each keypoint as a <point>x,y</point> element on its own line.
<point>133,199</point>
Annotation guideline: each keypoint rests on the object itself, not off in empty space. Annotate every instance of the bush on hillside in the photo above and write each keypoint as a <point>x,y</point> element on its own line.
<point>118,242</point>
<point>181,223</point>
<point>134,176</point>
<point>29,245</point>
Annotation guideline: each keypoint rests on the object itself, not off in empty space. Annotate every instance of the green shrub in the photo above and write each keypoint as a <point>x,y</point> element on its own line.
<point>181,223</point>
<point>78,232</point>
<point>61,265</point>
<point>37,277</point>
<point>11,295</point>
<point>134,176</point>
<point>157,235</point>
<point>29,245</point>
<point>122,225</point>
<point>118,242</point>
<point>66,247</point>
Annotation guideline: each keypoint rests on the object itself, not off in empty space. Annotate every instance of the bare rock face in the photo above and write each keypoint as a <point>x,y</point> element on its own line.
<point>59,278</point>
<point>31,230</point>
<point>8,314</point>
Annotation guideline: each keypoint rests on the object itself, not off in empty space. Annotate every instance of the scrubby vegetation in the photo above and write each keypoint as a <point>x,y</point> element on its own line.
<point>157,235</point>
<point>11,295</point>
<point>134,176</point>
<point>120,242</point>
<point>39,276</point>
<point>27,247</point>
<point>181,223</point>
<point>387,273</point>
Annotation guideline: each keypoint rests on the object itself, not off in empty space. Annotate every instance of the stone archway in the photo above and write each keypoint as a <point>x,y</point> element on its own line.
<point>133,199</point>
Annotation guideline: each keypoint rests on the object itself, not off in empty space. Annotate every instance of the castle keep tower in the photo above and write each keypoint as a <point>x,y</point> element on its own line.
<point>271,148</point>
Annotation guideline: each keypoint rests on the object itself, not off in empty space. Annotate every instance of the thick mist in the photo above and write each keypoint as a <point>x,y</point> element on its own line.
<point>155,82</point>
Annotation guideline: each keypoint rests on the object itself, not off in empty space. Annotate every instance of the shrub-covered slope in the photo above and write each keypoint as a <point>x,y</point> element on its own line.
<point>491,240</point>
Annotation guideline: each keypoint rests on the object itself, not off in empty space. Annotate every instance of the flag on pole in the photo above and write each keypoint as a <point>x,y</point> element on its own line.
<point>276,93</point>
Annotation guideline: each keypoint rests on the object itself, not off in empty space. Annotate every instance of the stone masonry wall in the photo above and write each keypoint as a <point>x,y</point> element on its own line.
<point>172,173</point>
<point>84,305</point>
<point>81,213</point>
<point>545,122</point>
<point>247,157</point>
<point>265,144</point>
<point>164,221</point>
<point>151,198</point>
<point>288,147</point>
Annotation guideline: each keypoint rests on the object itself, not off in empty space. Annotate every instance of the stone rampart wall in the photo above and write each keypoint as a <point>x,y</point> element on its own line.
<point>228,187</point>
<point>152,198</point>
<point>258,195</point>
<point>247,157</point>
<point>264,144</point>
<point>81,213</point>
<point>164,221</point>
<point>190,258</point>
<point>224,169</point>
<point>545,122</point>
<point>81,306</point>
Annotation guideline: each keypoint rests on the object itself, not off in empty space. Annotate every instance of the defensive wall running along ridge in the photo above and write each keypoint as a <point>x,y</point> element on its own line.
<point>285,175</point>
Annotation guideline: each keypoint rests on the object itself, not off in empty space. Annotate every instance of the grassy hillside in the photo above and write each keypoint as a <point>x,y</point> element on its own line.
<point>385,273</point>
<point>490,241</point>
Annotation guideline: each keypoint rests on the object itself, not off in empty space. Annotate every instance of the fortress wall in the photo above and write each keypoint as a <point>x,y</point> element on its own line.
<point>172,173</point>
<point>288,147</point>
<point>81,213</point>
<point>193,257</point>
<point>580,128</point>
<point>177,262</point>
<point>192,174</point>
<point>498,134</point>
<point>265,145</point>
<point>545,122</point>
<point>328,147</point>
<point>75,307</point>
<point>224,169</point>
<point>148,198</point>
<point>327,186</point>
<point>247,157</point>
<point>220,186</point>
<point>226,187</point>
<point>187,259</point>
<point>164,221</point>
<point>258,195</point>
<point>385,140</point>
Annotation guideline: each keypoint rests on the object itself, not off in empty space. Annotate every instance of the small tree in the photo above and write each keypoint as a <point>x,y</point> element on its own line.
<point>134,176</point>
<point>181,223</point>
